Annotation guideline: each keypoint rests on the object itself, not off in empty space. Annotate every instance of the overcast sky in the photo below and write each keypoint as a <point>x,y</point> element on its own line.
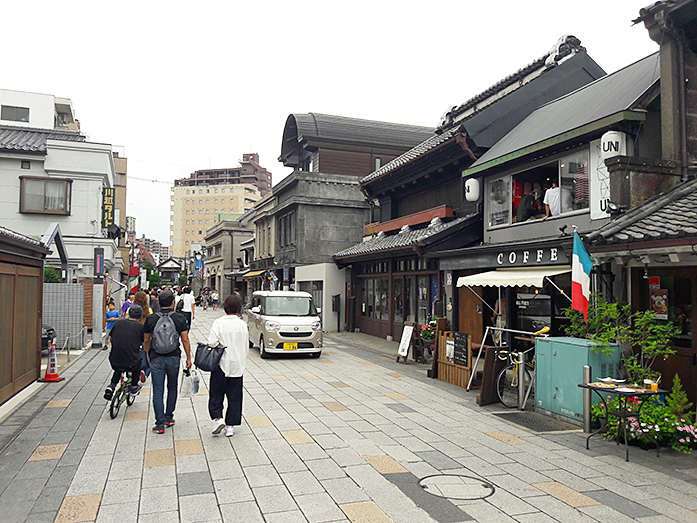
<point>187,86</point>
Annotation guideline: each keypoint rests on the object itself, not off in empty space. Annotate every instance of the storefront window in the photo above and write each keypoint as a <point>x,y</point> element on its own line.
<point>423,300</point>
<point>370,302</point>
<point>499,202</point>
<point>409,298</point>
<point>573,174</point>
<point>381,292</point>
<point>398,300</point>
<point>520,197</point>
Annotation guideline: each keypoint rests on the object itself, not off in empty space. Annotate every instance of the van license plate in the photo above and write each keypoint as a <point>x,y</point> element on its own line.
<point>290,346</point>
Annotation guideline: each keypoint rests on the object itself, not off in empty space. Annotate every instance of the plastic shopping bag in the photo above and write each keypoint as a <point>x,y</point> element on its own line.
<point>187,387</point>
<point>194,381</point>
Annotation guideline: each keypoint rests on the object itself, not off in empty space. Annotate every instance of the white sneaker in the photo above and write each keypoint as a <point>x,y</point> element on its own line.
<point>229,430</point>
<point>218,425</point>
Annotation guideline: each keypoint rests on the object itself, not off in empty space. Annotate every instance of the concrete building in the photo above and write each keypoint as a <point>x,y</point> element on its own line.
<point>223,248</point>
<point>319,209</point>
<point>50,173</point>
<point>197,200</point>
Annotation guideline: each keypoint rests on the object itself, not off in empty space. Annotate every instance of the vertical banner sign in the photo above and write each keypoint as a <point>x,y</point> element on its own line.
<point>107,207</point>
<point>599,181</point>
<point>133,273</point>
<point>98,262</point>
<point>659,303</point>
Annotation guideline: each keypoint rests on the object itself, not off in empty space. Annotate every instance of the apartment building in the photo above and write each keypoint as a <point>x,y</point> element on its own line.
<point>194,210</point>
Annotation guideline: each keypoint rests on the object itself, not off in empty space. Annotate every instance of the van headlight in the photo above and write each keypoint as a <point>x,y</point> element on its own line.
<point>273,326</point>
<point>316,325</point>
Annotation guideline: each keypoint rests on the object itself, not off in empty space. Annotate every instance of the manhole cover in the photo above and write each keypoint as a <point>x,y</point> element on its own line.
<point>457,486</point>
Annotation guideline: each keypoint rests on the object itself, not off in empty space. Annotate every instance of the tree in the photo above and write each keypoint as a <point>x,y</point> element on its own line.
<point>51,275</point>
<point>154,280</point>
<point>182,280</point>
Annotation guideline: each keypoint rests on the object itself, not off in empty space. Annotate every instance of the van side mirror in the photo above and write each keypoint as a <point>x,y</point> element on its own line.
<point>256,310</point>
<point>319,310</point>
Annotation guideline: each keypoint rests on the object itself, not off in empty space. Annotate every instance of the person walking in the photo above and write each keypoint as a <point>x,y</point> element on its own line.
<point>189,305</point>
<point>226,380</point>
<point>163,331</point>
<point>127,304</point>
<point>154,302</point>
<point>141,298</point>
<point>111,316</point>
<point>214,299</point>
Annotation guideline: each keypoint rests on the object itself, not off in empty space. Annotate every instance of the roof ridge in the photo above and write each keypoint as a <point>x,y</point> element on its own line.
<point>642,211</point>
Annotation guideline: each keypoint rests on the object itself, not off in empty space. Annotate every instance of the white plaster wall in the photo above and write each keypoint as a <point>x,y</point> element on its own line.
<point>41,108</point>
<point>333,283</point>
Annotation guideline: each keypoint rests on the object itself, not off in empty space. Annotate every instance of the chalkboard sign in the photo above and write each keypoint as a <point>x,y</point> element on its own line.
<point>460,351</point>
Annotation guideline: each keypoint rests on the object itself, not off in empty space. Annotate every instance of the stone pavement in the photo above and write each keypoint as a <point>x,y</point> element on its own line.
<point>346,437</point>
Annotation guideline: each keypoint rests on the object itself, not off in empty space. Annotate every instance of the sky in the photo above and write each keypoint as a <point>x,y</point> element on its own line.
<point>186,86</point>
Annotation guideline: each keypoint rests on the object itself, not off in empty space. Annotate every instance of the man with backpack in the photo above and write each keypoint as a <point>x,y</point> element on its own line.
<point>162,332</point>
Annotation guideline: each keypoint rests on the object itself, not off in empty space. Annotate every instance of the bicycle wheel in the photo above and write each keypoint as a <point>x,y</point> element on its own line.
<point>507,386</point>
<point>116,403</point>
<point>130,399</point>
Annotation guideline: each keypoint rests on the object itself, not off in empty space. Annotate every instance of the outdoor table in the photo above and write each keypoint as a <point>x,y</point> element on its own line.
<point>623,413</point>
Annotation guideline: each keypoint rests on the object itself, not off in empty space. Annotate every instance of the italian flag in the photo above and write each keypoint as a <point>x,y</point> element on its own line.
<point>581,265</point>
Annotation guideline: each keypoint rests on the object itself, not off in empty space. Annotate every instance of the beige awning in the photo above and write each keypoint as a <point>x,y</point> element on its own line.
<point>523,277</point>
<point>252,274</point>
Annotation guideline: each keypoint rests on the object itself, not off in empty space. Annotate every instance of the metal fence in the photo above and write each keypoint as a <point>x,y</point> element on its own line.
<point>64,311</point>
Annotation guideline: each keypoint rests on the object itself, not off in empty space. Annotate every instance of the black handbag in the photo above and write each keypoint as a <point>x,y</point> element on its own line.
<point>207,358</point>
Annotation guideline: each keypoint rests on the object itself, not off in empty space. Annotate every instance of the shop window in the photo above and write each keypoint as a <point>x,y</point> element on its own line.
<point>398,299</point>
<point>45,195</point>
<point>409,298</point>
<point>521,197</point>
<point>423,311</point>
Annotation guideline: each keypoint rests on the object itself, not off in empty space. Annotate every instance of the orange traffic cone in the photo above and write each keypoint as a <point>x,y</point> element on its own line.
<point>52,367</point>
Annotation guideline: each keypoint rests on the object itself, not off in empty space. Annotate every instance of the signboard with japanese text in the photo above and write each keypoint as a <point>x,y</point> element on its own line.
<point>108,207</point>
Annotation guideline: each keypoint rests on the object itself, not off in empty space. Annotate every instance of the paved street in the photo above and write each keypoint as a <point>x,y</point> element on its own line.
<point>346,437</point>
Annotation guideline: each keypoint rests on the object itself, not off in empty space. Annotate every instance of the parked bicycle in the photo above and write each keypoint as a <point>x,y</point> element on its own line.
<point>121,394</point>
<point>508,380</point>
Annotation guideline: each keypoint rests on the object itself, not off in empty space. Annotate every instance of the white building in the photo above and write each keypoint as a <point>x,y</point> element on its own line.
<point>49,174</point>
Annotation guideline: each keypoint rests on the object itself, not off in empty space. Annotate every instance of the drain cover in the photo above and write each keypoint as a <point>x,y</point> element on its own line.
<point>457,486</point>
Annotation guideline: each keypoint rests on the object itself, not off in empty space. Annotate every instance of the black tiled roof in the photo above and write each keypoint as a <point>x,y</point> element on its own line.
<point>28,139</point>
<point>399,240</point>
<point>670,215</point>
<point>356,130</point>
<point>19,237</point>
<point>425,146</point>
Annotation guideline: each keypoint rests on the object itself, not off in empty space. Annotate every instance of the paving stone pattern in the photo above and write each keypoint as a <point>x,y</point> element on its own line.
<point>346,437</point>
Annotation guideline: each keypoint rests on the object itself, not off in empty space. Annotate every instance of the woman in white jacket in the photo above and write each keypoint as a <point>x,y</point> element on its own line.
<point>226,380</point>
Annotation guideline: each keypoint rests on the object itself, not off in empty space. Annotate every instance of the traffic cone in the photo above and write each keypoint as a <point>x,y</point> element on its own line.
<point>52,367</point>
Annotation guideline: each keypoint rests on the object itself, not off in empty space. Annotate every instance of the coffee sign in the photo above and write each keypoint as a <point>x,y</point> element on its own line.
<point>529,257</point>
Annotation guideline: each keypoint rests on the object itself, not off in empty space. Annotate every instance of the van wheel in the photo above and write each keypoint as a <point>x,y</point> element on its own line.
<point>316,354</point>
<point>262,352</point>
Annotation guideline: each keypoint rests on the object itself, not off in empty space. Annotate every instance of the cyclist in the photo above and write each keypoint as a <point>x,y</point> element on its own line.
<point>126,339</point>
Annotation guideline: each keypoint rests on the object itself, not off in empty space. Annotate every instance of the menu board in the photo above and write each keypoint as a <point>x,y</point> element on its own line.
<point>405,341</point>
<point>460,351</point>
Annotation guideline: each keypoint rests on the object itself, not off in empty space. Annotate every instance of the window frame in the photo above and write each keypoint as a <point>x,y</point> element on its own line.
<point>67,195</point>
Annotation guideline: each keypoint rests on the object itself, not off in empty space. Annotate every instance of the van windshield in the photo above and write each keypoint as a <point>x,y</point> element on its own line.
<point>289,306</point>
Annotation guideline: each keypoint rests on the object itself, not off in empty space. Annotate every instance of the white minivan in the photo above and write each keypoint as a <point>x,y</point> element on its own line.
<point>284,322</point>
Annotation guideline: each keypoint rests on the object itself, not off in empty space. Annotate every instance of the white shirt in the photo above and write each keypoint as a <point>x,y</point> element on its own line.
<point>553,199</point>
<point>188,301</point>
<point>232,332</point>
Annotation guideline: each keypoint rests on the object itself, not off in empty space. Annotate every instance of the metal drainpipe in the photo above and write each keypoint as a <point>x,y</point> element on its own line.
<point>683,116</point>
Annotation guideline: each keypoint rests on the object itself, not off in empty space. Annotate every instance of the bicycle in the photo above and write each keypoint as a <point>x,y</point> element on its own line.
<point>121,394</point>
<point>508,379</point>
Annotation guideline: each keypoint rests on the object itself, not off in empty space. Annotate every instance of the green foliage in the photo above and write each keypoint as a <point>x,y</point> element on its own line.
<point>51,275</point>
<point>649,340</point>
<point>677,401</point>
<point>658,424</point>
<point>641,333</point>
<point>182,280</point>
<point>154,279</point>
<point>604,326</point>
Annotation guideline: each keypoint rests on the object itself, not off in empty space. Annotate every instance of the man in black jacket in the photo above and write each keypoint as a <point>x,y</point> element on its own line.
<point>126,339</point>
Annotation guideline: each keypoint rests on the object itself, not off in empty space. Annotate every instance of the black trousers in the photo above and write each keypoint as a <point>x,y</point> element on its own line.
<point>221,387</point>
<point>135,372</point>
